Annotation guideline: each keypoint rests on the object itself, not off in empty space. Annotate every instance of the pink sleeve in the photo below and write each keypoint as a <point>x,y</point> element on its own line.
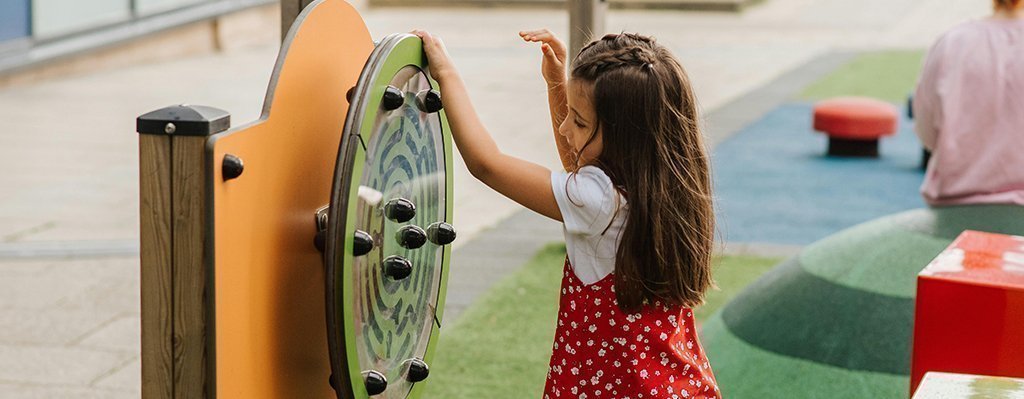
<point>927,102</point>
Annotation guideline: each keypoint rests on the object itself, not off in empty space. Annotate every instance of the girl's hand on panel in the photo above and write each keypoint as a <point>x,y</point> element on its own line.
<point>439,63</point>
<point>555,54</point>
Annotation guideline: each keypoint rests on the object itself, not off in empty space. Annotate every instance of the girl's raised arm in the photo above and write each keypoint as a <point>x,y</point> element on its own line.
<point>522,181</point>
<point>553,70</point>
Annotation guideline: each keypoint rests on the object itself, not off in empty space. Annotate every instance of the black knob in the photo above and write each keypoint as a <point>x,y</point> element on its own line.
<point>232,167</point>
<point>319,240</point>
<point>418,370</point>
<point>393,98</point>
<point>362,243</point>
<point>348,94</point>
<point>400,210</point>
<point>441,233</point>
<point>411,237</point>
<point>375,382</point>
<point>397,267</point>
<point>429,101</point>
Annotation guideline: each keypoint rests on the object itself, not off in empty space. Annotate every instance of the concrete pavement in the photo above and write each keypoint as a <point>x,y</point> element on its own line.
<point>69,326</point>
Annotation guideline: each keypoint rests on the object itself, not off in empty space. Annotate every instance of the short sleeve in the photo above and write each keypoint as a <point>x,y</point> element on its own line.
<point>587,199</point>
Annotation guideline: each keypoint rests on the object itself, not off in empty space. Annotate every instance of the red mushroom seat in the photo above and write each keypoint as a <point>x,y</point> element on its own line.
<point>854,124</point>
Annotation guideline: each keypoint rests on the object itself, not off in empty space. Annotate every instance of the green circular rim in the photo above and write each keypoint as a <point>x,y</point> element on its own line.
<point>391,55</point>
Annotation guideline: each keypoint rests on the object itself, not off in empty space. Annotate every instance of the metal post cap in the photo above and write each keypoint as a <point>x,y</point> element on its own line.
<point>184,120</point>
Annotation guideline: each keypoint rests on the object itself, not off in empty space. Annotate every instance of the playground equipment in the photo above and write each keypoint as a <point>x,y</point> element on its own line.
<point>968,316</point>
<point>836,320</point>
<point>855,124</point>
<point>303,255</point>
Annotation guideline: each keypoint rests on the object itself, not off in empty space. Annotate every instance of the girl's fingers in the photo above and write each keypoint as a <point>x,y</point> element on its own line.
<point>429,41</point>
<point>548,52</point>
<point>545,36</point>
<point>540,35</point>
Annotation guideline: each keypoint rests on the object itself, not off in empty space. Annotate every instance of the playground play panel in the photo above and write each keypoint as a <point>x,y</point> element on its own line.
<point>303,255</point>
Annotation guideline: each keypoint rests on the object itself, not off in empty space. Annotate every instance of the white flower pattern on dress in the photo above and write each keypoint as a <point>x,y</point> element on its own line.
<point>652,345</point>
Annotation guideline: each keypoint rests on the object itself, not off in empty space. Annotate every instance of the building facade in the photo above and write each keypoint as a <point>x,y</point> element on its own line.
<point>37,32</point>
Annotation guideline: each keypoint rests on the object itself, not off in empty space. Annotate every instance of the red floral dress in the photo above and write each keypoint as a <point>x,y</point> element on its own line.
<point>599,352</point>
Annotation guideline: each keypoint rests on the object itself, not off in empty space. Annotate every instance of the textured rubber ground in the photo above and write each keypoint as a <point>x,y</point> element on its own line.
<point>774,183</point>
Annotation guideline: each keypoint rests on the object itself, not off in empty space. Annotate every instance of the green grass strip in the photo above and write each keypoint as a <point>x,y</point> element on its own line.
<point>886,75</point>
<point>732,274</point>
<point>500,347</point>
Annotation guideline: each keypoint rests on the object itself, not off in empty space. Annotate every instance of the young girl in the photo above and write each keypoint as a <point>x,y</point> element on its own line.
<point>636,205</point>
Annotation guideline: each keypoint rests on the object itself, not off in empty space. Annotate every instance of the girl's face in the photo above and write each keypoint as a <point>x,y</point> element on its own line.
<point>581,123</point>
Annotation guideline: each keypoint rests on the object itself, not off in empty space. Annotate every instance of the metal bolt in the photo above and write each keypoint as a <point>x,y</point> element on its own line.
<point>170,128</point>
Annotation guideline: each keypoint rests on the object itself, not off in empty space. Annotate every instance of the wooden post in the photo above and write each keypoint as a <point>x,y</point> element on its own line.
<point>173,169</point>
<point>586,22</point>
<point>290,10</point>
<point>155,278</point>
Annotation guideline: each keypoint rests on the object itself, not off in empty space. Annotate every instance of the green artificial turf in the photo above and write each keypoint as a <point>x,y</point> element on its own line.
<point>499,348</point>
<point>886,75</point>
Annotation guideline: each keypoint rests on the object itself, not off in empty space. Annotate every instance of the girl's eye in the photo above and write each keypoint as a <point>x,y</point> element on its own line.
<point>578,124</point>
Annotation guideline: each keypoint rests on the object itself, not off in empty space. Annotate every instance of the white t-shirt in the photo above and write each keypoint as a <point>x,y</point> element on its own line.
<point>593,215</point>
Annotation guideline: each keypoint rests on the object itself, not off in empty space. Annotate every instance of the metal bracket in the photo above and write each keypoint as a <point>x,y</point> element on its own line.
<point>320,218</point>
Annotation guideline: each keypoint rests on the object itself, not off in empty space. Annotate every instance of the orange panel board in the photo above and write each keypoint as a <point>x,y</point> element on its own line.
<point>268,322</point>
<point>969,314</point>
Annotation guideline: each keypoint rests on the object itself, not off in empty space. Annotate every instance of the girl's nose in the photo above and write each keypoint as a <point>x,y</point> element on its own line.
<point>562,131</point>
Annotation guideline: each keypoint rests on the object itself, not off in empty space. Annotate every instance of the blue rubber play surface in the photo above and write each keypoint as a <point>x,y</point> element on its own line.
<point>774,184</point>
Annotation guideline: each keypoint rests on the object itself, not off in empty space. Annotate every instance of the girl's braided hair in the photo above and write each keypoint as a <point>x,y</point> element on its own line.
<point>654,153</point>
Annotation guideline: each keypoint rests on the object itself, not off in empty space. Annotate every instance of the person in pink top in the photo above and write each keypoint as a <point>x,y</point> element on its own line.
<point>969,105</point>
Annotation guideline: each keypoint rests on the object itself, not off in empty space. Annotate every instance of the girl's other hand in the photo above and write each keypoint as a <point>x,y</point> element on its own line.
<point>555,53</point>
<point>439,63</point>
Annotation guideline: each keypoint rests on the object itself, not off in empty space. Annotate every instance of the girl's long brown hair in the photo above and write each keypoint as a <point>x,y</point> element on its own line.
<point>655,155</point>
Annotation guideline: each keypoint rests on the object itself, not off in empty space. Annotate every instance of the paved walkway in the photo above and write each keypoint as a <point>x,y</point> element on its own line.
<point>69,326</point>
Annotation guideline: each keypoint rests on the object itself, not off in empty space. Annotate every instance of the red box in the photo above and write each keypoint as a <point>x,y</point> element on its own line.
<point>969,313</point>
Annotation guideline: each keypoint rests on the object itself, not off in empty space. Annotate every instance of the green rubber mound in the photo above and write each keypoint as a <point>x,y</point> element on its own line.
<point>836,320</point>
